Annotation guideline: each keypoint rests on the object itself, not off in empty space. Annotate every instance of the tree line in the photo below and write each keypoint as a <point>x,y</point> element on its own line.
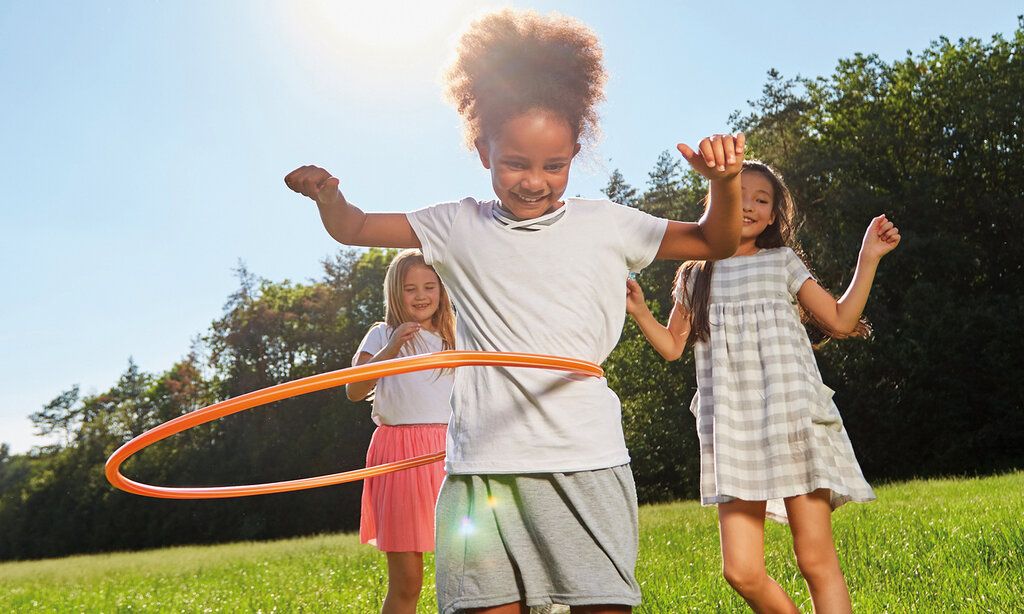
<point>934,140</point>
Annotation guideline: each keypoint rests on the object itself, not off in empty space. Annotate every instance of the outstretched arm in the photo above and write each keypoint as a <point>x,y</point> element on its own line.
<point>344,221</point>
<point>840,317</point>
<point>670,340</point>
<point>719,158</point>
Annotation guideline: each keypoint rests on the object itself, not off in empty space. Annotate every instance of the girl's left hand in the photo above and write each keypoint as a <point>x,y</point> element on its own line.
<point>881,238</point>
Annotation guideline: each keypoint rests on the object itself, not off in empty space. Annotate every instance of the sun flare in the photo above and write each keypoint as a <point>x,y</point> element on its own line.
<point>398,34</point>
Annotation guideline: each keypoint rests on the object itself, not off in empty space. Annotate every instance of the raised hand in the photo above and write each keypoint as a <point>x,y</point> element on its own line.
<point>316,183</point>
<point>404,332</point>
<point>882,237</point>
<point>719,156</point>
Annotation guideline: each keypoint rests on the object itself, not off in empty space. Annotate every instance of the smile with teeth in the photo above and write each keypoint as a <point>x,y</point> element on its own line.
<point>529,199</point>
<point>748,220</point>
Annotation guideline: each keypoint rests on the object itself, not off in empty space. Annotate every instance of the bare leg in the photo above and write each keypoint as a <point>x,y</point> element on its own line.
<point>405,579</point>
<point>741,527</point>
<point>810,519</point>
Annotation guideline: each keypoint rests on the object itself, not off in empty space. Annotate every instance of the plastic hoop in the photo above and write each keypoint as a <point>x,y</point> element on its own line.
<point>314,383</point>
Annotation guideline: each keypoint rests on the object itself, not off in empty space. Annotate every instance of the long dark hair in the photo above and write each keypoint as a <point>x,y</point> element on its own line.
<point>780,233</point>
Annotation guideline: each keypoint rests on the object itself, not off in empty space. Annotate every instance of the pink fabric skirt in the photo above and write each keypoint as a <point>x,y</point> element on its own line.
<point>398,508</point>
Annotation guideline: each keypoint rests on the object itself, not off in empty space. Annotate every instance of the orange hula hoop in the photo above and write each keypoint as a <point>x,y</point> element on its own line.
<point>372,370</point>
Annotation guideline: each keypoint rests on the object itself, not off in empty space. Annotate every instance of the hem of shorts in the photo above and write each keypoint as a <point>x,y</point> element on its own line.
<point>540,600</point>
<point>487,468</point>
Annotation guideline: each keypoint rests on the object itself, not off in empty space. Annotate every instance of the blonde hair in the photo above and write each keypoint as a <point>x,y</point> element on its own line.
<point>394,309</point>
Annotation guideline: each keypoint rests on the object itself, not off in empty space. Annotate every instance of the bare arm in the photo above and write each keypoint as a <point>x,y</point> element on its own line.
<point>841,317</point>
<point>717,234</point>
<point>670,340</point>
<point>357,391</point>
<point>344,221</point>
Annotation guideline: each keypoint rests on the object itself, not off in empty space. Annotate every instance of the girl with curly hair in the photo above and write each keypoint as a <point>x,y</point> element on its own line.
<point>539,504</point>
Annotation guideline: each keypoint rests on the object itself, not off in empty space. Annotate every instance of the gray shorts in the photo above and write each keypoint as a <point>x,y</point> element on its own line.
<point>549,538</point>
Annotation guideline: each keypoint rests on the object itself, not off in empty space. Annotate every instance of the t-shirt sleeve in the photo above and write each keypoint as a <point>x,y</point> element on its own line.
<point>641,234</point>
<point>796,272</point>
<point>373,342</point>
<point>432,226</point>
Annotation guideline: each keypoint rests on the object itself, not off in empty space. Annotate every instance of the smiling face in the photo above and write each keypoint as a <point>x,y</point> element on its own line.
<point>758,204</point>
<point>529,160</point>
<point>421,295</point>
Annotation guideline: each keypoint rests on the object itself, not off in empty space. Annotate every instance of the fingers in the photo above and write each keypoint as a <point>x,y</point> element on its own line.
<point>708,151</point>
<point>310,181</point>
<point>719,148</point>
<point>716,154</point>
<point>890,235</point>
<point>408,329</point>
<point>691,156</point>
<point>404,333</point>
<point>634,292</point>
<point>883,227</point>
<point>729,147</point>
<point>885,231</point>
<point>327,187</point>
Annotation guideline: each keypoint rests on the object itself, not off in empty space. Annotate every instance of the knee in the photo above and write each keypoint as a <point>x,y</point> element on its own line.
<point>817,563</point>
<point>744,578</point>
<point>407,590</point>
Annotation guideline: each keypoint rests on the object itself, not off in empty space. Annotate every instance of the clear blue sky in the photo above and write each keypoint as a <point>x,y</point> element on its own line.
<point>143,144</point>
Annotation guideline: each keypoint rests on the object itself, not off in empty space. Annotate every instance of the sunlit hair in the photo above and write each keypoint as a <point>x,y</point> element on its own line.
<point>394,308</point>
<point>780,233</point>
<point>513,61</point>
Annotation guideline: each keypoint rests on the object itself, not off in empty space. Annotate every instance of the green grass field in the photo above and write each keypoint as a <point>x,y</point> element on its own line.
<point>924,546</point>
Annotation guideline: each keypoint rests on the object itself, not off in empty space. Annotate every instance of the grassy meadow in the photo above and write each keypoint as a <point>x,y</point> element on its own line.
<point>953,545</point>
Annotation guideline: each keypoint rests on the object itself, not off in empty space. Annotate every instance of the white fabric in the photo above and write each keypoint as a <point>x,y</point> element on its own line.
<point>767,425</point>
<point>410,398</point>
<point>558,290</point>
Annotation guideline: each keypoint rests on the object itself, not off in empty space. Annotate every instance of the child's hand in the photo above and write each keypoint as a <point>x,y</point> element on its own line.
<point>403,333</point>
<point>634,298</point>
<point>316,183</point>
<point>881,238</point>
<point>717,157</point>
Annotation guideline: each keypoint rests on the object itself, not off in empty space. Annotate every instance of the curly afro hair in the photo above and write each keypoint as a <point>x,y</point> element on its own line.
<point>510,62</point>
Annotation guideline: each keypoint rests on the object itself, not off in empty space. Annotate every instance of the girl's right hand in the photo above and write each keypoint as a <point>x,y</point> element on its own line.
<point>634,298</point>
<point>403,333</point>
<point>316,183</point>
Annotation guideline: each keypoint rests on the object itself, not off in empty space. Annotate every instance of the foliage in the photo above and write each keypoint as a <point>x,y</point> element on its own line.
<point>933,140</point>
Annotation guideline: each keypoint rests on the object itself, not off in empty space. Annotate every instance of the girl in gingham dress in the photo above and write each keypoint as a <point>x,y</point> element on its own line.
<point>772,442</point>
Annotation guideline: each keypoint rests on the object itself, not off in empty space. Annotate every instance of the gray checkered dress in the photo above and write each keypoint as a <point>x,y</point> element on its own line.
<point>767,425</point>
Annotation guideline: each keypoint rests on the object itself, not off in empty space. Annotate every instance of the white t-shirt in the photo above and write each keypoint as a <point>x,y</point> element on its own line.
<point>559,290</point>
<point>420,397</point>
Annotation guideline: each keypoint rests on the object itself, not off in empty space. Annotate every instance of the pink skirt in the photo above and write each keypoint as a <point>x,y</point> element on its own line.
<point>398,508</point>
